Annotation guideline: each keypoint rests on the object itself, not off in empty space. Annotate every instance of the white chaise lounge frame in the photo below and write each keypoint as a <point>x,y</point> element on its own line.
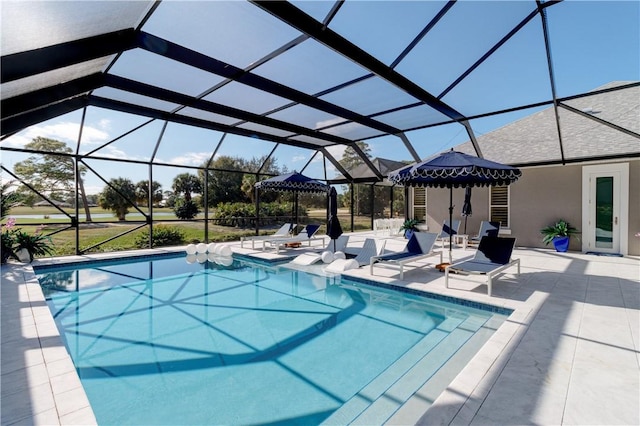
<point>425,239</point>
<point>481,263</point>
<point>283,232</point>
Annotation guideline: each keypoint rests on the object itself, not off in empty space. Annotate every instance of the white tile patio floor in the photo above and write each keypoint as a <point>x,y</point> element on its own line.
<point>569,353</point>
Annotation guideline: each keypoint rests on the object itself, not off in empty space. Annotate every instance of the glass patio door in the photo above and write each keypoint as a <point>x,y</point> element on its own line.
<point>605,220</point>
<point>604,216</point>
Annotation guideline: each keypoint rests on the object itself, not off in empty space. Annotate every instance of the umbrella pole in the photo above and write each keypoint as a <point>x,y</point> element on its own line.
<point>450,222</point>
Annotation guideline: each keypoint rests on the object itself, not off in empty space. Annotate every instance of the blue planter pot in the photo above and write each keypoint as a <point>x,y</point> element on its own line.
<point>408,233</point>
<point>561,244</point>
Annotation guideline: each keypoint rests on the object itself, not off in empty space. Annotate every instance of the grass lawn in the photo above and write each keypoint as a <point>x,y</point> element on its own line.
<point>105,228</point>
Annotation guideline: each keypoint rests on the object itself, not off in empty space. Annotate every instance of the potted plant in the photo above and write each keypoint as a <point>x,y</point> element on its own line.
<point>8,239</point>
<point>558,234</point>
<point>28,246</point>
<point>409,226</point>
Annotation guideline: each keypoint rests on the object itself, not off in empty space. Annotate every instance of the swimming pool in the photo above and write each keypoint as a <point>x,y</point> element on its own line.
<point>162,341</point>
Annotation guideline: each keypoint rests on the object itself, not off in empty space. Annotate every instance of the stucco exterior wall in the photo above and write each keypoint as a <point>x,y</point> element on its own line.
<point>539,198</point>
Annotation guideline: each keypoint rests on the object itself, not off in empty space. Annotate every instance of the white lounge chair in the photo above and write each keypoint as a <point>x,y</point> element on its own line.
<point>487,229</point>
<point>340,244</point>
<point>370,248</point>
<point>283,232</point>
<point>492,257</point>
<point>419,246</point>
<point>306,235</point>
<point>447,230</point>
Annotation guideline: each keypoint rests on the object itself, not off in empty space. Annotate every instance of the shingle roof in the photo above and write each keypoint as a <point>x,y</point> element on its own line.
<point>534,139</point>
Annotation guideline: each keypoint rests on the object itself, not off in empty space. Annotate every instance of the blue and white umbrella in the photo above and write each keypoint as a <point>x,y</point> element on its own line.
<point>453,169</point>
<point>293,182</point>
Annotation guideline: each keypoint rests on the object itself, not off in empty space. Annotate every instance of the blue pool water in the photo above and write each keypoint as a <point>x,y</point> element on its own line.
<point>162,341</point>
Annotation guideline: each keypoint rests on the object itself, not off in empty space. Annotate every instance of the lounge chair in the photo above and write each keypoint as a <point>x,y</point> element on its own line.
<point>419,246</point>
<point>306,235</point>
<point>492,257</point>
<point>283,232</point>
<point>447,230</point>
<point>340,244</point>
<point>370,248</point>
<point>487,229</point>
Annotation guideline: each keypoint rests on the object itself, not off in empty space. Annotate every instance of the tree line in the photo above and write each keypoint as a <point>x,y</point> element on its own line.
<point>225,180</point>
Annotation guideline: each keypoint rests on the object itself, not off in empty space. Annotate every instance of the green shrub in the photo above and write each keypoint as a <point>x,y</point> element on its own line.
<point>243,214</point>
<point>162,236</point>
<point>186,209</point>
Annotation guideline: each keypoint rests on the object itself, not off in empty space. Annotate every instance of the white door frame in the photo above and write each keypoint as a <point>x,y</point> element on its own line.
<point>620,172</point>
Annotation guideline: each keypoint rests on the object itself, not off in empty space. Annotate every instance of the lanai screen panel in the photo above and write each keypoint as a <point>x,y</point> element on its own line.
<point>317,74</point>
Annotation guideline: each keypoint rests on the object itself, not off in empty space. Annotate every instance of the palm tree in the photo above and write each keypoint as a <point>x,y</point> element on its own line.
<point>7,199</point>
<point>186,183</point>
<point>111,197</point>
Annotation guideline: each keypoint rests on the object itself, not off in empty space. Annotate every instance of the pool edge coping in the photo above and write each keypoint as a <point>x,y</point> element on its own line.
<point>483,364</point>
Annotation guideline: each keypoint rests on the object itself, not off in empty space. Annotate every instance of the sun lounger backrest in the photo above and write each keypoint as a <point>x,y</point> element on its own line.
<point>446,229</point>
<point>311,230</point>
<point>340,243</point>
<point>495,249</point>
<point>370,248</point>
<point>426,240</point>
<point>413,246</point>
<point>489,229</point>
<point>284,230</point>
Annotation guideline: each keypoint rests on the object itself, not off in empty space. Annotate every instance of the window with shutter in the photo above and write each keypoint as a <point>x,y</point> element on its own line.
<point>419,204</point>
<point>499,205</point>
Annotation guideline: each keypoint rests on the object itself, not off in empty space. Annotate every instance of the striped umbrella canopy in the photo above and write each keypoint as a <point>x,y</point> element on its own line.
<point>453,169</point>
<point>292,182</point>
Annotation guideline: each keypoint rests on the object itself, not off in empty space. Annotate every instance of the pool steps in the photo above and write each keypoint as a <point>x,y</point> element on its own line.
<point>384,395</point>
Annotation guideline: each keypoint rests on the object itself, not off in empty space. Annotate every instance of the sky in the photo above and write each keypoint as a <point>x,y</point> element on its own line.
<point>592,42</point>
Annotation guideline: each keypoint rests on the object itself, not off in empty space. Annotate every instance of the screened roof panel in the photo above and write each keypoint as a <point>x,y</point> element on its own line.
<point>137,145</point>
<point>533,138</point>
<point>326,70</point>
<point>47,79</point>
<point>64,128</point>
<point>388,147</point>
<point>369,96</point>
<point>384,29</point>
<point>265,129</point>
<point>187,145</point>
<point>590,138</point>
<point>516,74</point>
<point>102,126</point>
<point>310,68</point>
<point>135,99</point>
<point>246,98</point>
<point>353,131</point>
<point>459,39</point>
<point>311,140</point>
<point>585,52</point>
<point>291,157</point>
<point>413,117</point>
<point>618,108</point>
<point>207,116</point>
<point>253,151</point>
<point>303,115</point>
<point>235,32</point>
<point>434,140</point>
<point>36,24</point>
<point>149,68</point>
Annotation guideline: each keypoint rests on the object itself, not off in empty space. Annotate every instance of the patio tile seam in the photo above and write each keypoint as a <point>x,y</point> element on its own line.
<point>475,399</point>
<point>573,359</point>
<point>52,365</point>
